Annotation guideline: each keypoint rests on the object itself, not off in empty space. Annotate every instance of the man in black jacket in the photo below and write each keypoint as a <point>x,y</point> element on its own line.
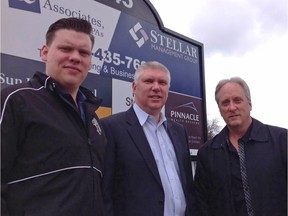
<point>52,144</point>
<point>242,171</point>
<point>147,168</point>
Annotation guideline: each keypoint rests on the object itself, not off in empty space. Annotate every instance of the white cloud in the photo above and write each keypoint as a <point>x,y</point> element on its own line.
<point>241,38</point>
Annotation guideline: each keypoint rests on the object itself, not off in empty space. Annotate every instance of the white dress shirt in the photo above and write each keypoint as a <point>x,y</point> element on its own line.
<point>164,154</point>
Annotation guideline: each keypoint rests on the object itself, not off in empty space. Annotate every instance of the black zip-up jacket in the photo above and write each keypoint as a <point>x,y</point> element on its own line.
<point>51,161</point>
<point>266,164</point>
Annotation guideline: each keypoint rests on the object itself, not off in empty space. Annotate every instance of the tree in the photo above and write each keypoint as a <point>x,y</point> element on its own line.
<point>213,128</point>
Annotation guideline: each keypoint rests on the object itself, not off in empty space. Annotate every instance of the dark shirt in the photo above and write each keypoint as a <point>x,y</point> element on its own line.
<point>80,98</point>
<point>266,166</point>
<point>236,180</point>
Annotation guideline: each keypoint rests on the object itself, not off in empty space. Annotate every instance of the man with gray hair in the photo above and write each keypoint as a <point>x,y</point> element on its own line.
<point>147,167</point>
<point>242,171</point>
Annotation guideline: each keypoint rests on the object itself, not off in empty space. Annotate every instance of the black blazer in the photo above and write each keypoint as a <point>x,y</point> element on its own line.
<point>131,181</point>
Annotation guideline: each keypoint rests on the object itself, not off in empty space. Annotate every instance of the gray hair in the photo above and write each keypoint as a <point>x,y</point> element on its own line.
<point>237,80</point>
<point>151,65</point>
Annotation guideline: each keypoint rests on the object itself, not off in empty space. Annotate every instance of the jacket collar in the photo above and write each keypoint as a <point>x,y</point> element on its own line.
<point>258,134</point>
<point>53,86</point>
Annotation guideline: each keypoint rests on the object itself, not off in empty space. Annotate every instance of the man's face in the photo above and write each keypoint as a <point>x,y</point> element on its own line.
<point>234,106</point>
<point>68,58</point>
<point>151,91</point>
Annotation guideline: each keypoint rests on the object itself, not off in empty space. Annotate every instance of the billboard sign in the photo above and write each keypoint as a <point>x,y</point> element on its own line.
<point>127,33</point>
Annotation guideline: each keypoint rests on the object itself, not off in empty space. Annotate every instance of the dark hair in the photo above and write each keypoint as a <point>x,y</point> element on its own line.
<point>76,24</point>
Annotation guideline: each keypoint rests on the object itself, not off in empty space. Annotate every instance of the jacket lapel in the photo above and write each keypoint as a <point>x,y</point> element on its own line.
<point>176,141</point>
<point>138,136</point>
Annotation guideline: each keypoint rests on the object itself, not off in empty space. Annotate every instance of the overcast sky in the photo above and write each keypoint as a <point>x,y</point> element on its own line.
<point>241,38</point>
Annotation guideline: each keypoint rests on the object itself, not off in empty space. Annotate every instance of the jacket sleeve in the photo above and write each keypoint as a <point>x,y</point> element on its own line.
<point>11,133</point>
<point>284,144</point>
<point>201,186</point>
<point>108,172</point>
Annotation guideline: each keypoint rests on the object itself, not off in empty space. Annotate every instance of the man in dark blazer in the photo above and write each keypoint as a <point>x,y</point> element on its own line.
<point>147,169</point>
